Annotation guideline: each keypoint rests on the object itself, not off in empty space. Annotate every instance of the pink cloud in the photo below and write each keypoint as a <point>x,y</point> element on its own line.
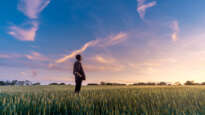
<point>24,34</point>
<point>175,28</point>
<point>32,8</point>
<point>32,56</point>
<point>112,40</point>
<point>69,56</point>
<point>8,56</point>
<point>110,68</point>
<point>36,56</point>
<point>141,9</point>
<point>104,63</point>
<point>104,60</point>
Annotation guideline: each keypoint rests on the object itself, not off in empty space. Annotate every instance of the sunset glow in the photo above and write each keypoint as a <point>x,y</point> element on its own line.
<point>122,41</point>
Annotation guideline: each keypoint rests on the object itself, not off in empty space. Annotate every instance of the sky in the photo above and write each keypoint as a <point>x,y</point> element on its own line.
<point>122,41</point>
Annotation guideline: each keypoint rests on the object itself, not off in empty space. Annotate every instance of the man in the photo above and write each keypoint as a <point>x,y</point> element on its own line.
<point>78,73</point>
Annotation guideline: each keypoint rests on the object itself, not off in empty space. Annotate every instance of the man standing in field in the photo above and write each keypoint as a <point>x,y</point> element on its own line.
<point>78,73</point>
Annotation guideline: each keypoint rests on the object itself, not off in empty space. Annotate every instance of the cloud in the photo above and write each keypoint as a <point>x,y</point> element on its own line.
<point>104,63</point>
<point>175,28</point>
<point>23,73</point>
<point>112,40</point>
<point>9,56</point>
<point>141,8</point>
<point>110,68</point>
<point>104,60</point>
<point>88,44</point>
<point>24,34</point>
<point>36,56</point>
<point>94,63</point>
<point>32,8</point>
<point>32,56</point>
<point>5,56</point>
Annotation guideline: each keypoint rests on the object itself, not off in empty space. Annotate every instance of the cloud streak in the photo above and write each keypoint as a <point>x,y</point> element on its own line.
<point>101,59</point>
<point>100,68</point>
<point>104,63</point>
<point>24,34</point>
<point>36,56</point>
<point>112,40</point>
<point>142,7</point>
<point>175,28</point>
<point>85,46</point>
<point>9,56</point>
<point>32,8</point>
<point>104,60</point>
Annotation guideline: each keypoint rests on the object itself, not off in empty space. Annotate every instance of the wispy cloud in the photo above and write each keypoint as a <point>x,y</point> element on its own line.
<point>175,28</point>
<point>110,68</point>
<point>9,56</point>
<point>88,44</point>
<point>32,8</point>
<point>24,34</point>
<point>112,40</point>
<point>4,56</point>
<point>36,56</point>
<point>23,73</point>
<point>142,7</point>
<point>104,60</point>
<point>104,63</point>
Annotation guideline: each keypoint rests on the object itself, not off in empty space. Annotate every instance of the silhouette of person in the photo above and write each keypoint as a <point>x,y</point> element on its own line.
<point>78,73</point>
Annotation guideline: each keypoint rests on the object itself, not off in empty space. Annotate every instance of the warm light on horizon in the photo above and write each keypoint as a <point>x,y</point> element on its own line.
<point>127,42</point>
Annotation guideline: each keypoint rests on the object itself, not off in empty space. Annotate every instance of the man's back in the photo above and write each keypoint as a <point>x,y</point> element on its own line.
<point>78,70</point>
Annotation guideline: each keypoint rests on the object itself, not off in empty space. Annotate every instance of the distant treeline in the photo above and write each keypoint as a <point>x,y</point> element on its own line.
<point>139,83</point>
<point>24,83</point>
<point>106,83</point>
<point>29,83</point>
<point>150,83</point>
<point>20,83</point>
<point>58,84</point>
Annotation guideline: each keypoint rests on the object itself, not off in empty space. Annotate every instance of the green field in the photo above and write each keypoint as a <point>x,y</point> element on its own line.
<point>98,100</point>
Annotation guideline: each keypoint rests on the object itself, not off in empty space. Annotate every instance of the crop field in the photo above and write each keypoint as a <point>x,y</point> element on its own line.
<point>102,100</point>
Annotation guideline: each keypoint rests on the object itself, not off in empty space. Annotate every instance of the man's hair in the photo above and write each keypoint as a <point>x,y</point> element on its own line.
<point>78,57</point>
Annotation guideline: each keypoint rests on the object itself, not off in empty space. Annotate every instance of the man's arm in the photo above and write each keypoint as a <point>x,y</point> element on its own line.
<point>82,71</point>
<point>76,69</point>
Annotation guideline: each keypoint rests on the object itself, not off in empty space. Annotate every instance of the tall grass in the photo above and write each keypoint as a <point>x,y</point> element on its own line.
<point>99,100</point>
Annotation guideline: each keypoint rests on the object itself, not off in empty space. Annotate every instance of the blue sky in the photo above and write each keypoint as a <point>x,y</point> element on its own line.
<point>120,40</point>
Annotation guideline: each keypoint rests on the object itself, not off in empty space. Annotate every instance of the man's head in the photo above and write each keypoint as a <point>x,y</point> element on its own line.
<point>78,57</point>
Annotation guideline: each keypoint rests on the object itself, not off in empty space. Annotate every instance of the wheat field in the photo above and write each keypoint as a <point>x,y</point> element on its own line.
<point>102,100</point>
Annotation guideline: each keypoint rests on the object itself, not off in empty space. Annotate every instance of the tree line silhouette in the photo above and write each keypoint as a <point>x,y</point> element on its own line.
<point>16,82</point>
<point>151,83</point>
<point>162,83</point>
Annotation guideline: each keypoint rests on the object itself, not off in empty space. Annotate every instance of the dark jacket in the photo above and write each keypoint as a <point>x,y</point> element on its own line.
<point>78,69</point>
